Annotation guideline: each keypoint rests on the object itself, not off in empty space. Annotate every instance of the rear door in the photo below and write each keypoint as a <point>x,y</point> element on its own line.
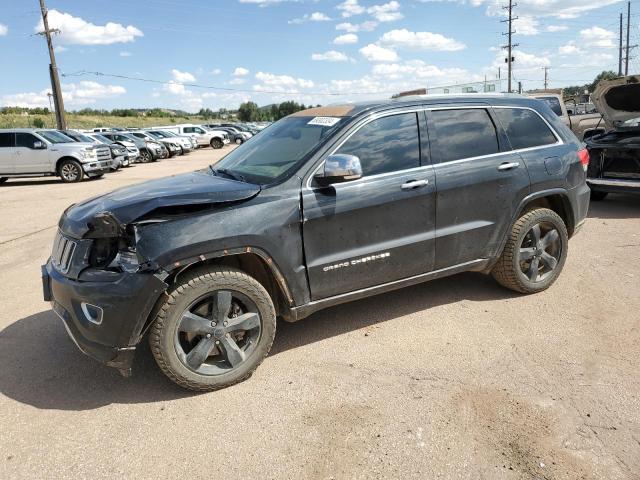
<point>380,228</point>
<point>7,142</point>
<point>28,159</point>
<point>480,183</point>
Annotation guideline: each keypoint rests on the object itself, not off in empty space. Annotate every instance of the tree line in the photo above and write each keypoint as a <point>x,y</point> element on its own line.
<point>250,112</point>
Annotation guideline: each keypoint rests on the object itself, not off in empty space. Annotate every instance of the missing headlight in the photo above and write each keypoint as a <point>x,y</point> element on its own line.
<point>103,251</point>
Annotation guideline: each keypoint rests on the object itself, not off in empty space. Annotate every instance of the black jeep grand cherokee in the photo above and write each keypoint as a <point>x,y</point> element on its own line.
<point>325,206</point>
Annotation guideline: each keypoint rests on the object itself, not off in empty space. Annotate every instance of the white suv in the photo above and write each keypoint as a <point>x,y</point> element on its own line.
<point>28,152</point>
<point>204,137</point>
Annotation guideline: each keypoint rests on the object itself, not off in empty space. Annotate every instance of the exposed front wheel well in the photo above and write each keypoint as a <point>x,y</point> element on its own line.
<point>253,265</point>
<point>559,204</point>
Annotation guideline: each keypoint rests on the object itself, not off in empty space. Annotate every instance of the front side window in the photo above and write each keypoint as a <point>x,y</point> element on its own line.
<point>6,140</point>
<point>388,144</point>
<point>189,130</point>
<point>464,133</point>
<point>26,140</point>
<point>525,128</point>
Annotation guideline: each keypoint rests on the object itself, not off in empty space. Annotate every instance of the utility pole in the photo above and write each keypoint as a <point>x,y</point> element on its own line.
<point>53,70</point>
<point>620,52</point>
<point>510,45</point>
<point>626,58</point>
<point>546,77</point>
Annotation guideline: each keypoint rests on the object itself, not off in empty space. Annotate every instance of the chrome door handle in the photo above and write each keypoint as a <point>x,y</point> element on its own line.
<point>411,184</point>
<point>508,165</point>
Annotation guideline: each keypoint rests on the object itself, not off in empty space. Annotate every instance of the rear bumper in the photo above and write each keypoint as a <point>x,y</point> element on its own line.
<point>103,318</point>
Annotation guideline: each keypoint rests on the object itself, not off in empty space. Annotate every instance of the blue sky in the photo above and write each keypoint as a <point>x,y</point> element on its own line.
<point>313,51</point>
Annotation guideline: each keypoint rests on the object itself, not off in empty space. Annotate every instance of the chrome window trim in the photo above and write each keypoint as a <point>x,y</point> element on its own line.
<point>379,115</point>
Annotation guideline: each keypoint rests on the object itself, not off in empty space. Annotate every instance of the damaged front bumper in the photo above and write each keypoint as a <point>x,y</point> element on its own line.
<point>104,315</point>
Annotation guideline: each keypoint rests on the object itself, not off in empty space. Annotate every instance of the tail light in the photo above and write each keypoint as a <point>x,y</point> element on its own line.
<point>583,155</point>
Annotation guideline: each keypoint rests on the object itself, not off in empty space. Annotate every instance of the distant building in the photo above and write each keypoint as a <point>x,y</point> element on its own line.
<point>489,86</point>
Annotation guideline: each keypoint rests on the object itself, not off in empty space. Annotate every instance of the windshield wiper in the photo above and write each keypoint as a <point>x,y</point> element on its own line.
<point>228,173</point>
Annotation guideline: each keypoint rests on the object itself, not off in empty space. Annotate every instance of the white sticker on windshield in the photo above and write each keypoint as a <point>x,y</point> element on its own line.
<point>324,121</point>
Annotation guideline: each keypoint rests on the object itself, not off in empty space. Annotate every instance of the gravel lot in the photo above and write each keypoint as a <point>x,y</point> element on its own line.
<point>457,378</point>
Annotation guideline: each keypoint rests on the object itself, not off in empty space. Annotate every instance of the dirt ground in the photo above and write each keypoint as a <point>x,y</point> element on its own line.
<point>456,378</point>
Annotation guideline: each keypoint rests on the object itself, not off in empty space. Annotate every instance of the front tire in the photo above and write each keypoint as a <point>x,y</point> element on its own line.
<point>70,171</point>
<point>239,141</point>
<point>145,156</point>
<point>597,196</point>
<point>215,328</point>
<point>217,143</point>
<point>535,252</point>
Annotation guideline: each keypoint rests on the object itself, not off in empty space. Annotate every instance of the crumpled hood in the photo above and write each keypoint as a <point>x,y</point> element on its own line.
<point>130,203</point>
<point>618,100</point>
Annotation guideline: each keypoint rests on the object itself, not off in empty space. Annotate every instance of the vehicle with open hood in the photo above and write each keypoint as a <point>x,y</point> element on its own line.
<point>327,205</point>
<point>615,154</point>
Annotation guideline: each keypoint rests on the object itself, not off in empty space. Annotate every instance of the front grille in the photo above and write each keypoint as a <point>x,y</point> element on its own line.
<point>103,153</point>
<point>62,254</point>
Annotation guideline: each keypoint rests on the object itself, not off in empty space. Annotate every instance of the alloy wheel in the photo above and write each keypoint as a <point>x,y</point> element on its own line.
<point>217,332</point>
<point>540,252</point>
<point>70,172</point>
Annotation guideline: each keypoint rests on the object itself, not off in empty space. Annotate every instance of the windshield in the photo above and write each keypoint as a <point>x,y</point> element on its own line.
<point>102,139</point>
<point>55,137</point>
<point>159,134</point>
<point>278,150</point>
<point>155,135</point>
<point>554,103</point>
<point>84,138</point>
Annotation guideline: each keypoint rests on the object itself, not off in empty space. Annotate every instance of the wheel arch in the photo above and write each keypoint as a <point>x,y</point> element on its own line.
<point>66,157</point>
<point>556,200</point>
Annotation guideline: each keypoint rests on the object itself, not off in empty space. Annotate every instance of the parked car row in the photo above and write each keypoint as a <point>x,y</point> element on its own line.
<point>74,155</point>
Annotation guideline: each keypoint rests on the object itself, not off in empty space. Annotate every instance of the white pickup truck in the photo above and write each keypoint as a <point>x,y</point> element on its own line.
<point>28,152</point>
<point>204,137</point>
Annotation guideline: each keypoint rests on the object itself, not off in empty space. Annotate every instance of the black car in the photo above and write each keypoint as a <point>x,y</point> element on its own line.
<point>328,205</point>
<point>615,154</point>
<point>234,135</point>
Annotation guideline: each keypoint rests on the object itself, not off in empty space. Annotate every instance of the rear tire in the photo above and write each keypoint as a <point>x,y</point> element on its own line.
<point>239,141</point>
<point>215,328</point>
<point>217,143</point>
<point>70,171</point>
<point>597,196</point>
<point>535,252</point>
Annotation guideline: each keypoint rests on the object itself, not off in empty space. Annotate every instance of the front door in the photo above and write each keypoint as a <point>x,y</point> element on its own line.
<point>28,158</point>
<point>480,184</point>
<point>381,227</point>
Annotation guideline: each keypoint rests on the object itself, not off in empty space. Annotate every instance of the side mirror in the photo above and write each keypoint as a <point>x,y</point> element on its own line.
<point>340,168</point>
<point>38,145</point>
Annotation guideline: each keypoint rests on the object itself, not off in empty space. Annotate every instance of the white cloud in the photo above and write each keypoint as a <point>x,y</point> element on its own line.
<point>125,54</point>
<point>387,12</point>
<point>546,8</point>
<point>330,56</point>
<point>346,39</point>
<point>238,81</point>
<point>526,25</point>
<point>350,8</point>
<point>314,17</point>
<point>557,28</point>
<point>216,71</point>
<point>73,94</point>
<point>75,30</point>
<point>3,30</point>
<point>240,72</point>
<point>598,37</point>
<point>60,49</point>
<point>404,38</point>
<point>367,26</point>
<point>182,77</point>
<point>174,88</point>
<point>570,49</point>
<point>376,53</point>
<point>280,83</point>
<point>419,70</point>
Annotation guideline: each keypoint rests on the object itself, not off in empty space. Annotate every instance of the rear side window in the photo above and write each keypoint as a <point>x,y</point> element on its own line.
<point>387,144</point>
<point>554,103</point>
<point>26,140</point>
<point>525,128</point>
<point>6,140</point>
<point>464,133</point>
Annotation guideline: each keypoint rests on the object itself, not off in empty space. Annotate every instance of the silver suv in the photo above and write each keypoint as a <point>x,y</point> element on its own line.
<point>28,152</point>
